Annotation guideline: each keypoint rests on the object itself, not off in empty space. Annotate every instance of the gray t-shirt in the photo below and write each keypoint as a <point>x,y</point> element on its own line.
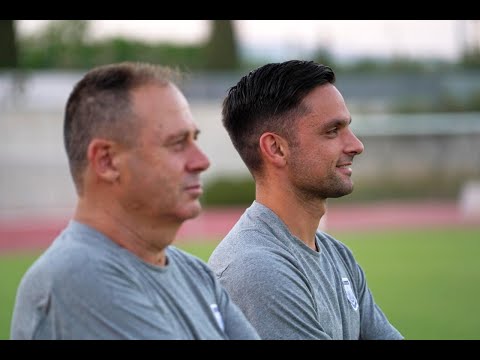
<point>85,286</point>
<point>289,291</point>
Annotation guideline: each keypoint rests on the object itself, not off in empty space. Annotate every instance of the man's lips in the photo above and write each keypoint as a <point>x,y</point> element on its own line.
<point>194,189</point>
<point>345,168</point>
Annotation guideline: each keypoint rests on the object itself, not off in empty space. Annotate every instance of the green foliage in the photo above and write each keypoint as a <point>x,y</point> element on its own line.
<point>8,45</point>
<point>67,44</point>
<point>221,51</point>
<point>437,186</point>
<point>227,191</point>
<point>473,102</point>
<point>240,190</point>
<point>57,45</point>
<point>120,49</point>
<point>471,59</point>
<point>396,65</point>
<point>64,45</point>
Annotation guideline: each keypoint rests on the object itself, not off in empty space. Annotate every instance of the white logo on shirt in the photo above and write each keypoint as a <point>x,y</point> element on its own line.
<point>350,295</point>
<point>217,315</point>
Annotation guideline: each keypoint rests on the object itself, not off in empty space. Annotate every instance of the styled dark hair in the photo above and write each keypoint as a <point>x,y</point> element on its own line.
<point>100,106</point>
<point>269,98</point>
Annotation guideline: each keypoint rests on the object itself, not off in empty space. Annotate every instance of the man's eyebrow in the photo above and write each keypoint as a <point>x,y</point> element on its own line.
<point>337,122</point>
<point>182,134</point>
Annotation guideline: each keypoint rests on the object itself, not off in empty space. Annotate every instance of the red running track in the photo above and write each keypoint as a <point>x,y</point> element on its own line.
<point>37,232</point>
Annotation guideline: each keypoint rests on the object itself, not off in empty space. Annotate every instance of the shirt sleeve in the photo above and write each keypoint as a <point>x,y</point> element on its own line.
<point>274,297</point>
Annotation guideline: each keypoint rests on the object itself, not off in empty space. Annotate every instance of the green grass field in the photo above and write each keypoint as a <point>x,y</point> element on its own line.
<point>426,281</point>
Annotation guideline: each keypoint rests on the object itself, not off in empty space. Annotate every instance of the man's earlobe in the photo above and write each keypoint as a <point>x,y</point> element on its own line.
<point>100,156</point>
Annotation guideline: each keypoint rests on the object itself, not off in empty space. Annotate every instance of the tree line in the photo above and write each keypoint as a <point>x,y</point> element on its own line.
<point>66,44</point>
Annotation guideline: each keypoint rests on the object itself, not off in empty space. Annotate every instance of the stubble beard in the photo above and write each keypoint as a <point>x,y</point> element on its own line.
<point>330,187</point>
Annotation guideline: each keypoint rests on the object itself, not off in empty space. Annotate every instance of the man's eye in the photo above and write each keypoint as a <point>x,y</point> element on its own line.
<point>179,145</point>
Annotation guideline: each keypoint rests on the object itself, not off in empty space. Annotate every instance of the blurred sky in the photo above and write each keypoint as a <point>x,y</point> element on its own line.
<point>345,39</point>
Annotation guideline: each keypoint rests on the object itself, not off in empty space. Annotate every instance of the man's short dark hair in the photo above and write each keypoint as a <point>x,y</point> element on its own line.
<point>269,98</point>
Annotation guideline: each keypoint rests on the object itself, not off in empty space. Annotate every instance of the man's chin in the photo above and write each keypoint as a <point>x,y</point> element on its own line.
<point>340,193</point>
<point>192,211</point>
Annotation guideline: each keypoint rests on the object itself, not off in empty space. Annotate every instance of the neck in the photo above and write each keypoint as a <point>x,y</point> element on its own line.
<point>301,216</point>
<point>146,239</point>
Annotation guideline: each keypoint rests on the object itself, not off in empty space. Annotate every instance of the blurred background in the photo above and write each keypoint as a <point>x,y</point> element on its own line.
<point>412,87</point>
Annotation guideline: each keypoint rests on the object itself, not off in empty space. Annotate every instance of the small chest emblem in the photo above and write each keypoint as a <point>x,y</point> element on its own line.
<point>218,316</point>
<point>350,295</point>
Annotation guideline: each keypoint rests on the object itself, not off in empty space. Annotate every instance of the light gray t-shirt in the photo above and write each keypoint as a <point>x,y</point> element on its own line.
<point>85,286</point>
<point>289,291</point>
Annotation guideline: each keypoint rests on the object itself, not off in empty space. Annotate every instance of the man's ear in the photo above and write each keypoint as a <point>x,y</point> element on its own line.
<point>273,148</point>
<point>100,154</point>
